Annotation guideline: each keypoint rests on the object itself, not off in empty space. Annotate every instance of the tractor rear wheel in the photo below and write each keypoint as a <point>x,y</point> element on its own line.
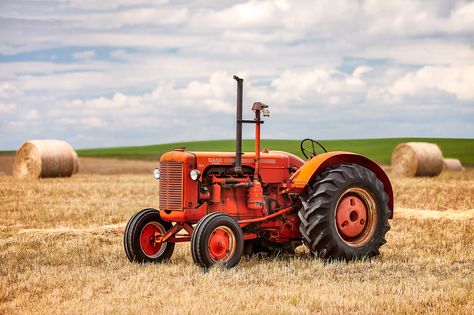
<point>217,239</point>
<point>140,234</point>
<point>345,214</point>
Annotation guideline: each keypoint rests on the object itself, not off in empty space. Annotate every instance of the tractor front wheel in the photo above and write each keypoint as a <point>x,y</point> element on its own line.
<point>140,234</point>
<point>345,214</point>
<point>217,239</point>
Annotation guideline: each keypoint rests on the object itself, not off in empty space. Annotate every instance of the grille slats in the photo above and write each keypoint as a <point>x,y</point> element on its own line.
<point>171,186</point>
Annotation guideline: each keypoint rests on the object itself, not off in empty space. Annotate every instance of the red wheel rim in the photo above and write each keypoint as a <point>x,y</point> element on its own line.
<point>147,239</point>
<point>221,244</point>
<point>351,217</point>
<point>356,216</point>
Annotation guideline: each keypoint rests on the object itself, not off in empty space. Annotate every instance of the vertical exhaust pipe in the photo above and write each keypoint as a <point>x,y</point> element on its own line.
<point>238,135</point>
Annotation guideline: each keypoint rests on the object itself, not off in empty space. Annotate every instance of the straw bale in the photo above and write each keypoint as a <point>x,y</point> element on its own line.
<point>45,158</point>
<point>417,159</point>
<point>452,165</point>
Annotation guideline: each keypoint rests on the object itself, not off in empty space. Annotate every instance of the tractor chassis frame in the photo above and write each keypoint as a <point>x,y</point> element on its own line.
<point>173,236</point>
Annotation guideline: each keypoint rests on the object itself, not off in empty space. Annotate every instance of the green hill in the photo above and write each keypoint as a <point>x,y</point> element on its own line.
<point>379,150</point>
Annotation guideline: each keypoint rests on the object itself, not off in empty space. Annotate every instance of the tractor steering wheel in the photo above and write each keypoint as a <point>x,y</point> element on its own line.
<point>312,153</point>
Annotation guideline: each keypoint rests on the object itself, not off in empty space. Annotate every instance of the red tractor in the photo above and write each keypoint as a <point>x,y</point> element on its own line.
<point>228,204</point>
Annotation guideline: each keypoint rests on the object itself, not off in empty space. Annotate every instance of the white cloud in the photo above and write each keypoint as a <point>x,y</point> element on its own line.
<point>422,52</point>
<point>207,96</point>
<point>458,81</point>
<point>328,86</point>
<point>99,4</point>
<point>84,55</point>
<point>93,122</point>
<point>131,17</point>
<point>119,100</point>
<point>119,54</point>
<point>462,19</point>
<point>31,115</point>
<point>163,64</point>
<point>417,18</point>
<point>5,108</point>
<point>251,14</point>
<point>359,72</point>
<point>71,81</point>
<point>8,90</point>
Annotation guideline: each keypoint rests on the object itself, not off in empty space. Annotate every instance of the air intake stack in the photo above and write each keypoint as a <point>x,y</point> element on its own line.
<point>238,136</point>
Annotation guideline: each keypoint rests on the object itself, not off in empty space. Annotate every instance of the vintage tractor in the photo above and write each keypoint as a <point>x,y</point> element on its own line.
<point>228,204</point>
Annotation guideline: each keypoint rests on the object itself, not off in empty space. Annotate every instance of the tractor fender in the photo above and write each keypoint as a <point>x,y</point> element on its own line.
<point>307,173</point>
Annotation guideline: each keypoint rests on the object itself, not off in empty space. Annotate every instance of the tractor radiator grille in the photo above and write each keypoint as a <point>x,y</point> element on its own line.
<point>171,186</point>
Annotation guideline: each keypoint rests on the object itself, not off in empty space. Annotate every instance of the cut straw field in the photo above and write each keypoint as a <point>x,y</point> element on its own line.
<point>61,252</point>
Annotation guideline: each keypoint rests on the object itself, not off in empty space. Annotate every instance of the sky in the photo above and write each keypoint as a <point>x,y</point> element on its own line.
<point>136,72</point>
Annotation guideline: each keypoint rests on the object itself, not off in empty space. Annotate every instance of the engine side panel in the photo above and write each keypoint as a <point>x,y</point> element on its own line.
<point>201,197</point>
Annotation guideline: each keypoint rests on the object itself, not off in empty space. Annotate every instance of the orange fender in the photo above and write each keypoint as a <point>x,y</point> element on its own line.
<point>306,173</point>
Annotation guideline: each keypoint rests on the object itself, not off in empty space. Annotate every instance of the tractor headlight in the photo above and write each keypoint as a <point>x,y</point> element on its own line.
<point>194,174</point>
<point>156,173</point>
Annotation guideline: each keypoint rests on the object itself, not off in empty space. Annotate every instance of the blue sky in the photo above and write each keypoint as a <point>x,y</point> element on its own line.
<point>133,72</point>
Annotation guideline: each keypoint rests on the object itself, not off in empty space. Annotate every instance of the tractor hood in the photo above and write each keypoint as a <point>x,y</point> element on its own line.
<point>275,165</point>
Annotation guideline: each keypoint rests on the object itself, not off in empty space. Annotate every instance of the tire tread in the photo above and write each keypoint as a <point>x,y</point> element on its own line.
<point>316,211</point>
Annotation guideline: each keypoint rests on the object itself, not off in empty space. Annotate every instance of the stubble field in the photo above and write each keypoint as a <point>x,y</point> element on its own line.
<point>61,252</point>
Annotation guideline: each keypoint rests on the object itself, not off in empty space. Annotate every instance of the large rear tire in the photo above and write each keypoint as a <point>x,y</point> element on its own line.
<point>139,234</point>
<point>217,239</point>
<point>345,214</point>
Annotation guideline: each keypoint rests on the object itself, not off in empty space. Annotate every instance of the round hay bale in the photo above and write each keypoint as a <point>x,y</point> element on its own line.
<point>45,158</point>
<point>76,167</point>
<point>417,159</point>
<point>452,165</point>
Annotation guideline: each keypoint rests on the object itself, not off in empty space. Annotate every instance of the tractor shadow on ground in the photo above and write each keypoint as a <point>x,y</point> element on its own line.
<point>300,254</point>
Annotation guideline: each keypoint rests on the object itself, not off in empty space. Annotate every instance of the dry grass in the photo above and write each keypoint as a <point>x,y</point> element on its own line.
<point>61,252</point>
<point>450,190</point>
<point>90,165</point>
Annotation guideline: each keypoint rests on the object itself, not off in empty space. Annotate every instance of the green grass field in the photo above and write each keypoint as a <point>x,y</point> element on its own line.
<point>379,150</point>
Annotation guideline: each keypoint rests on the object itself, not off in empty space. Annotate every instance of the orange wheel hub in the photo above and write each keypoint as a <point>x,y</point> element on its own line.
<point>147,239</point>
<point>351,216</point>
<point>221,244</point>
